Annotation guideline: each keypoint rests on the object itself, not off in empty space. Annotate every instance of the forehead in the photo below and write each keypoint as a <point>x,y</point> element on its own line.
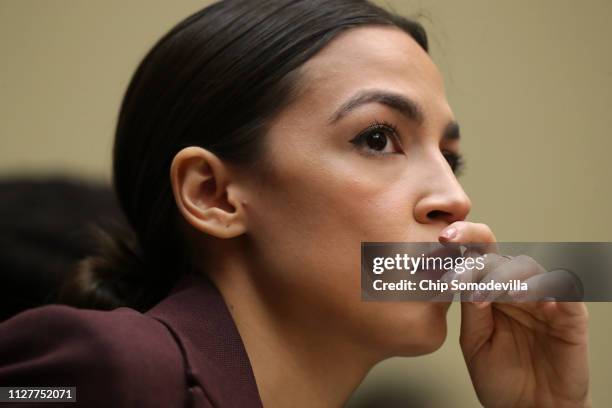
<point>372,57</point>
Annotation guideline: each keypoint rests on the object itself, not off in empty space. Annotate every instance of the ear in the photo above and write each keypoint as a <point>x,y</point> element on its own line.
<point>205,193</point>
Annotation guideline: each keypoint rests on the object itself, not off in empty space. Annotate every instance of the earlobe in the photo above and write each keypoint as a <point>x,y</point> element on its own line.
<point>205,193</point>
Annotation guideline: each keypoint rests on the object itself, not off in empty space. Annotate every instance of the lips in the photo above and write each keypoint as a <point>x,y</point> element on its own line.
<point>443,253</point>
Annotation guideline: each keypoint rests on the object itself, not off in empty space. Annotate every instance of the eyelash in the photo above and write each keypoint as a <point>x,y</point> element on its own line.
<point>360,140</point>
<point>455,160</point>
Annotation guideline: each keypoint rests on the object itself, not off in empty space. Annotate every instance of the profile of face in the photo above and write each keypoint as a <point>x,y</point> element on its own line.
<point>366,152</point>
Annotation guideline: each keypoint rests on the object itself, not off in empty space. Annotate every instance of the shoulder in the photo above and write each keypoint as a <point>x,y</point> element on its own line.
<point>115,357</point>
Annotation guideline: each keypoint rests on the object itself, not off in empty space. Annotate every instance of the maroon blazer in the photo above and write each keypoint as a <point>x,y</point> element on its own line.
<point>184,352</point>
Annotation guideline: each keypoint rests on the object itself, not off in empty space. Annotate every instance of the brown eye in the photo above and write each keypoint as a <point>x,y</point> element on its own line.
<point>378,139</point>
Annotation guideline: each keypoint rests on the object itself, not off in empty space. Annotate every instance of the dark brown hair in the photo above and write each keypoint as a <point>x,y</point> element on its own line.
<point>215,80</point>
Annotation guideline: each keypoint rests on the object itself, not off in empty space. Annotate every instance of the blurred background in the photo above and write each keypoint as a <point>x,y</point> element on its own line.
<point>529,81</point>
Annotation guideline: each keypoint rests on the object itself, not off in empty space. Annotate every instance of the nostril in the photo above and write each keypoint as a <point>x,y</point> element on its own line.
<point>437,214</point>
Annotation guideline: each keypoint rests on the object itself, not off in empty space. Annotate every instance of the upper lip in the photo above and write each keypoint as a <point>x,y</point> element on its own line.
<point>442,252</point>
<point>445,251</point>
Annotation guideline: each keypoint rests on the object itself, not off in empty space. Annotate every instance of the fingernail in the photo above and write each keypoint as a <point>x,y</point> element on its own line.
<point>449,233</point>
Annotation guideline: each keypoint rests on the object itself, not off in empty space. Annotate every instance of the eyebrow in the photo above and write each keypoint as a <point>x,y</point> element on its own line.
<point>401,103</point>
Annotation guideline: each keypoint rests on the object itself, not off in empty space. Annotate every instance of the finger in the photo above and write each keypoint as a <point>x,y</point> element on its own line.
<point>566,320</point>
<point>476,326</point>
<point>519,268</point>
<point>476,318</point>
<point>573,309</point>
<point>531,315</point>
<point>478,240</point>
<point>490,261</point>
<point>479,236</point>
<point>559,284</point>
<point>571,318</point>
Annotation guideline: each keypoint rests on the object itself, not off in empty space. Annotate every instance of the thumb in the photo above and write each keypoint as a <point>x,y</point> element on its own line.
<point>476,326</point>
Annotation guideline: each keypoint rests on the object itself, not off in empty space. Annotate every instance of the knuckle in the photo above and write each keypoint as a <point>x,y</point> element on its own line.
<point>484,227</point>
<point>526,262</point>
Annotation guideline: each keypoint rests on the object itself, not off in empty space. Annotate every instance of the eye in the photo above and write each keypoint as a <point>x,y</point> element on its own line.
<point>455,161</point>
<point>378,139</point>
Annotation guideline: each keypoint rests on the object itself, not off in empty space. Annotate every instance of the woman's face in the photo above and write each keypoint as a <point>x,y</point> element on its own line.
<point>365,153</point>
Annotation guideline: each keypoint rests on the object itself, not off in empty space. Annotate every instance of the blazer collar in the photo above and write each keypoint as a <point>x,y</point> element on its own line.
<point>215,357</point>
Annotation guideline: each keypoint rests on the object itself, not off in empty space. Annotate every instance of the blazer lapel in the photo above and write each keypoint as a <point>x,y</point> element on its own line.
<point>216,361</point>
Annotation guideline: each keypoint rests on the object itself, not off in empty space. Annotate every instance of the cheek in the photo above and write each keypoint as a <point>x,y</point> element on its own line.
<point>370,201</point>
<point>307,222</point>
<point>329,209</point>
<point>362,194</point>
<point>319,208</point>
<point>331,190</point>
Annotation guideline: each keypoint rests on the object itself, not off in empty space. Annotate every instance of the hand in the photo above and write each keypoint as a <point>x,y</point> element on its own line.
<point>522,354</point>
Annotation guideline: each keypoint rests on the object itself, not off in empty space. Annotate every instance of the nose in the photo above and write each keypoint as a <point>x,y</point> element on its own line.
<point>443,199</point>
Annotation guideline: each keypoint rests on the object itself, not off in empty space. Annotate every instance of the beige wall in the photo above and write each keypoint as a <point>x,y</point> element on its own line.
<point>530,82</point>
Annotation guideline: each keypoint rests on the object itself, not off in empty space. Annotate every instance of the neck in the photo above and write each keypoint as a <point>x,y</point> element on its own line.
<point>297,360</point>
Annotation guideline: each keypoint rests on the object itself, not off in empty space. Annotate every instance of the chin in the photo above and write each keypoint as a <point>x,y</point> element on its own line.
<point>419,329</point>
